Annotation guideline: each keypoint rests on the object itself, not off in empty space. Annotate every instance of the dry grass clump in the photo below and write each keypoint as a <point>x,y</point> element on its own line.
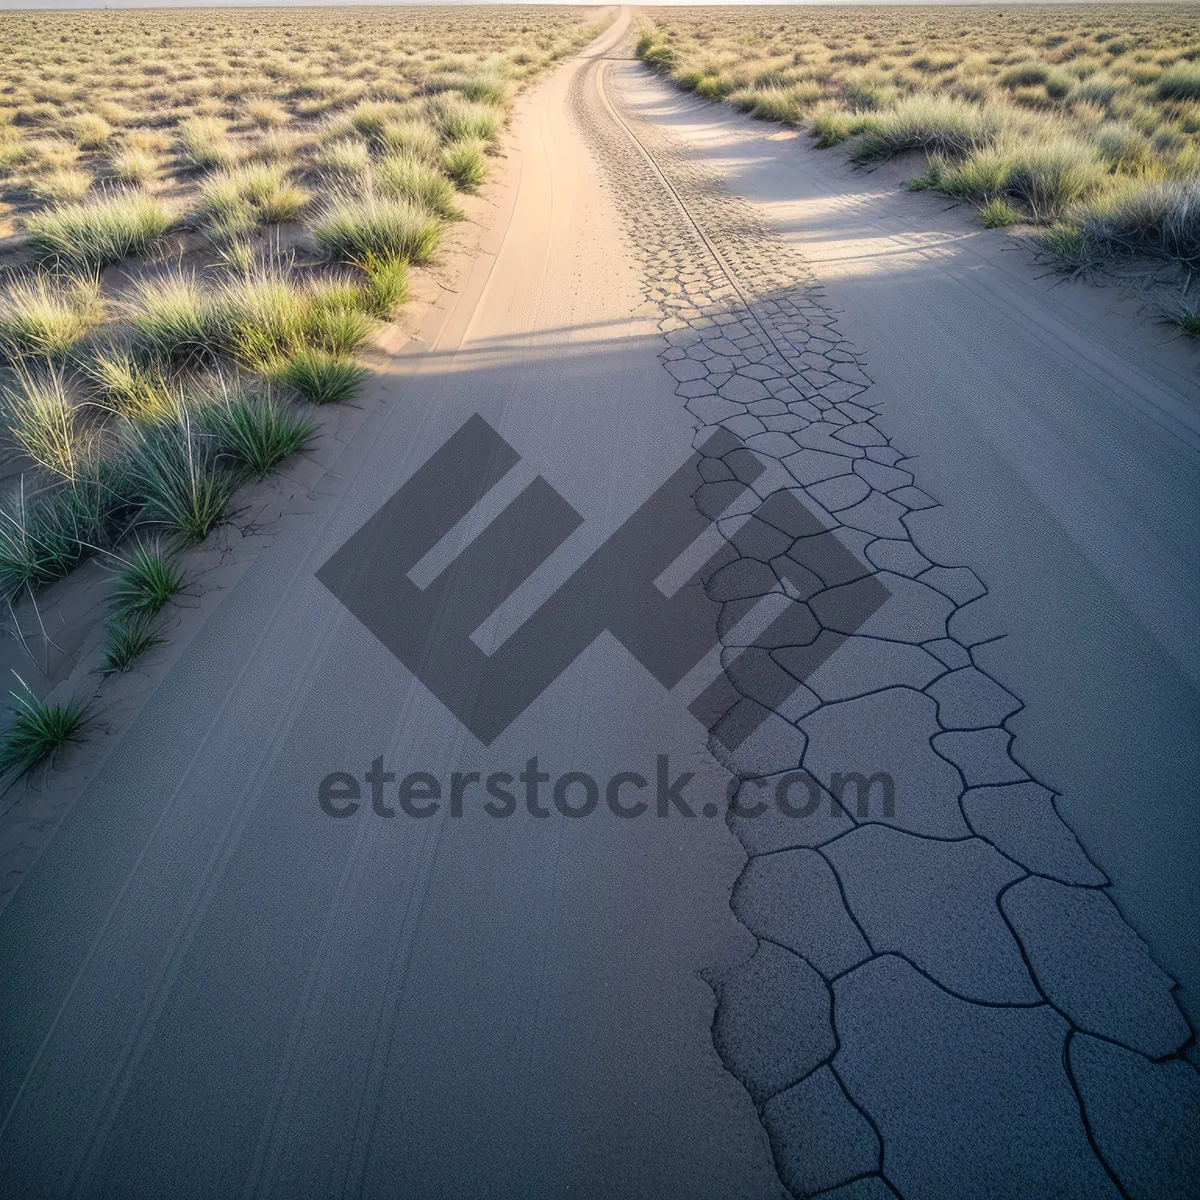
<point>239,200</point>
<point>64,183</point>
<point>132,165</point>
<point>1084,117</point>
<point>205,142</point>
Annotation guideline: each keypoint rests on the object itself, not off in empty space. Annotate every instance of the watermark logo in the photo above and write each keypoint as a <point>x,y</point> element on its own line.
<point>659,791</point>
<point>615,590</point>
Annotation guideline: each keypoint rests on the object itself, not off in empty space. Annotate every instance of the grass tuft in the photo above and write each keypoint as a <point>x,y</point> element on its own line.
<point>386,285</point>
<point>61,184</point>
<point>173,472</point>
<point>417,139</point>
<point>171,316</point>
<point>353,227</point>
<point>462,120</point>
<point>997,213</point>
<point>130,636</point>
<point>323,378</point>
<point>205,143</point>
<point>1179,82</point>
<point>131,386</point>
<point>40,416</point>
<point>134,166</point>
<point>935,124</point>
<point>147,578</point>
<point>251,195</point>
<point>465,163</point>
<point>96,233</point>
<point>42,538</point>
<point>46,316</point>
<point>404,177</point>
<point>1070,245</point>
<point>256,431</point>
<point>39,729</point>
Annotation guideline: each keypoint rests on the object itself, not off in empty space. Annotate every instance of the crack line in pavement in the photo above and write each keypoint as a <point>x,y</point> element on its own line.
<point>921,977</point>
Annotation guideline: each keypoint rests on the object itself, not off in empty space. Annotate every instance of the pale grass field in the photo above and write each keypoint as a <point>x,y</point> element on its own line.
<point>1083,120</point>
<point>206,214</point>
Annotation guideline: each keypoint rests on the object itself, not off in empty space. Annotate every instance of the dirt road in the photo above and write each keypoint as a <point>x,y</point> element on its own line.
<point>640,511</point>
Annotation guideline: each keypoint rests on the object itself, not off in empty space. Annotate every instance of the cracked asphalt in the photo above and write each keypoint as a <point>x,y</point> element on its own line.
<point>215,989</point>
<point>943,1001</point>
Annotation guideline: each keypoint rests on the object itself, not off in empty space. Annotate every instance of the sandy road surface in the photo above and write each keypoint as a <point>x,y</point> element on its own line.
<point>216,988</point>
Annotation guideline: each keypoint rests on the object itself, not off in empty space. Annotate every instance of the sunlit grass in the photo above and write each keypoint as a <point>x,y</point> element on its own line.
<point>42,315</point>
<point>356,226</point>
<point>1084,116</point>
<point>101,231</point>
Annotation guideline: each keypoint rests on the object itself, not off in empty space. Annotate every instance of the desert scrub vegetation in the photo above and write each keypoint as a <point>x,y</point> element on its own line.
<point>1081,119</point>
<point>212,211</point>
<point>141,97</point>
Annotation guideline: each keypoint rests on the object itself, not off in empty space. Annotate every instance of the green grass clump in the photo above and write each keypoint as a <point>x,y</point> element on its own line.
<point>1100,88</point>
<point>1052,174</point>
<point>262,316</point>
<point>981,177</point>
<point>404,177</point>
<point>323,378</point>
<point>337,328</point>
<point>467,120</point>
<point>832,127</point>
<point>1186,316</point>
<point>39,729</point>
<point>371,117</point>
<point>265,316</point>
<point>465,163</point>
<point>146,579</point>
<point>655,52</point>
<point>353,227</point>
<point>386,286</point>
<point>130,635</point>
<point>485,88</point>
<point>256,431</point>
<point>997,213</point>
<point>775,104</point>
<point>713,87</point>
<point>1057,83</point>
<point>173,472</point>
<point>98,232</point>
<point>43,537</point>
<point>1150,216</point>
<point>171,316</point>
<point>1070,245</point>
<point>46,316</point>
